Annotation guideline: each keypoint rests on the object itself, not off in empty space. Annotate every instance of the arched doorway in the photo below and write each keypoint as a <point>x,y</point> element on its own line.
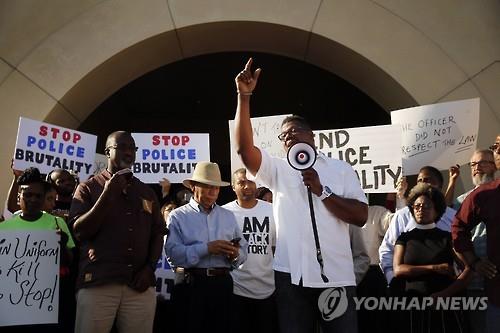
<point>198,95</point>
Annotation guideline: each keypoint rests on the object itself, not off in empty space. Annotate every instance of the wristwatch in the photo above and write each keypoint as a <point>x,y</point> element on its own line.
<point>326,193</point>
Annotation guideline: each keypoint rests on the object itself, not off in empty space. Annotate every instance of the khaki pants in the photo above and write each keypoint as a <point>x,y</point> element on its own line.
<point>97,307</point>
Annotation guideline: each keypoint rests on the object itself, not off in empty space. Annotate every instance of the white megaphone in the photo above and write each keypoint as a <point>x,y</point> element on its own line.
<point>301,156</point>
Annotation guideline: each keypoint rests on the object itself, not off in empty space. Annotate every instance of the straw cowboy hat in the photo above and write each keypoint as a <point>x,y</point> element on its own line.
<point>206,173</point>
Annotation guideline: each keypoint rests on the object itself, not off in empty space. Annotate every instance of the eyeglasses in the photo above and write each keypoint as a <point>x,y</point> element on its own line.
<point>123,147</point>
<point>422,206</point>
<point>482,164</point>
<point>293,131</point>
<point>494,147</point>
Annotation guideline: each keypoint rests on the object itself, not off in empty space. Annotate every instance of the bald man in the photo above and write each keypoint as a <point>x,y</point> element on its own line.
<point>117,220</point>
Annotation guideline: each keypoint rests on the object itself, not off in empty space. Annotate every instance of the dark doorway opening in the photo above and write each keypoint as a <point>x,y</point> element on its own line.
<point>198,95</point>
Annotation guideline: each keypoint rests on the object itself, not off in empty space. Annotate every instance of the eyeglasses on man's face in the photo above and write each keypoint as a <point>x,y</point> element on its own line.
<point>495,147</point>
<point>482,164</point>
<point>296,130</point>
<point>123,147</point>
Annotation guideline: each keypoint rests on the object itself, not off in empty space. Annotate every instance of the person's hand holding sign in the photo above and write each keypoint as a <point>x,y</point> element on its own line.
<point>454,172</point>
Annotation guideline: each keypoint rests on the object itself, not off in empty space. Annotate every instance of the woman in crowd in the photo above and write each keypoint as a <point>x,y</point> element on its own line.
<point>424,257</point>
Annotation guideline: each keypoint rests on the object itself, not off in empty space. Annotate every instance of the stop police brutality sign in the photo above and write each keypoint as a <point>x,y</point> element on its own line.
<point>169,155</point>
<point>50,147</point>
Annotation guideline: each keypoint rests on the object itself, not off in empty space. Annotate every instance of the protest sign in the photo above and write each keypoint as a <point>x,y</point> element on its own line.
<point>29,271</point>
<point>373,152</point>
<point>164,276</point>
<point>265,136</point>
<point>169,155</point>
<point>50,147</point>
<point>440,135</point>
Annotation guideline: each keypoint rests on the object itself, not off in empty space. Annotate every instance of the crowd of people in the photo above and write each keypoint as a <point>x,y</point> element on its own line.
<point>290,256</point>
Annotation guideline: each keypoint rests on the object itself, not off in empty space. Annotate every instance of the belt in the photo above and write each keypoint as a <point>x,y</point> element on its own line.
<point>215,271</point>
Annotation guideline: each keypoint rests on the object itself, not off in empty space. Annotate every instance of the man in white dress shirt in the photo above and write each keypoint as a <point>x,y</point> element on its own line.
<point>308,285</point>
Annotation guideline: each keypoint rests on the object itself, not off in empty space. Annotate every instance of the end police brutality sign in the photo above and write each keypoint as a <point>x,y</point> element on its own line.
<point>50,147</point>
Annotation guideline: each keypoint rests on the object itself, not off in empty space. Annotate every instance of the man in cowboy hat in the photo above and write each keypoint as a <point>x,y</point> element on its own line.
<point>206,242</point>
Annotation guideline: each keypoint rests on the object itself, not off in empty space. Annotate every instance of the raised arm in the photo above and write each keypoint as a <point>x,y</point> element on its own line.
<point>453,173</point>
<point>245,85</point>
<point>12,204</point>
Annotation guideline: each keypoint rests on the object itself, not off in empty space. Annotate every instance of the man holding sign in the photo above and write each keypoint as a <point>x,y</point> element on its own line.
<point>117,219</point>
<point>338,201</point>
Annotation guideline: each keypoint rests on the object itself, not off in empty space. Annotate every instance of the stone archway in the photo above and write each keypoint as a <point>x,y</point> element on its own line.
<point>59,61</point>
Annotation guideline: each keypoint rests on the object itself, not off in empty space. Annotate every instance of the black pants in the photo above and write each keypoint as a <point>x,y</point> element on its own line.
<point>373,284</point>
<point>298,308</point>
<point>255,315</point>
<point>207,304</point>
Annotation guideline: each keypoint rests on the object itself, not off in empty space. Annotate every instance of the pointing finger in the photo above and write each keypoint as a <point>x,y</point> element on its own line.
<point>248,64</point>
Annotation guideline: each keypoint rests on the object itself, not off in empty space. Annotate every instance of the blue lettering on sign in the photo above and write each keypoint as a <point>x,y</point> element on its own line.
<point>169,154</point>
<point>56,147</point>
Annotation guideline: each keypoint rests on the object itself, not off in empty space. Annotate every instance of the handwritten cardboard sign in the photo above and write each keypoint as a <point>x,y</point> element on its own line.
<point>29,271</point>
<point>373,152</point>
<point>265,136</point>
<point>50,147</point>
<point>169,155</point>
<point>440,135</point>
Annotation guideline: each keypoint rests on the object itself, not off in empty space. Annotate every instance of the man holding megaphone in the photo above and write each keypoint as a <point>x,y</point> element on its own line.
<point>315,198</point>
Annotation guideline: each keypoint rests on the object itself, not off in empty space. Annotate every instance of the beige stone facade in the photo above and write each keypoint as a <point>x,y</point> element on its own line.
<point>60,59</point>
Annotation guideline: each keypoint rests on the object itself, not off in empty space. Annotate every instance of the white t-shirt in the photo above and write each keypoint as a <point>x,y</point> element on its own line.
<point>374,230</point>
<point>295,246</point>
<point>255,277</point>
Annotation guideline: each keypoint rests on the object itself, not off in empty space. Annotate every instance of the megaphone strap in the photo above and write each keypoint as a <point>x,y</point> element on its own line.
<point>319,257</point>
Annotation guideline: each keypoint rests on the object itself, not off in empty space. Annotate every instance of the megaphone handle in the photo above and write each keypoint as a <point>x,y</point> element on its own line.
<point>319,257</point>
